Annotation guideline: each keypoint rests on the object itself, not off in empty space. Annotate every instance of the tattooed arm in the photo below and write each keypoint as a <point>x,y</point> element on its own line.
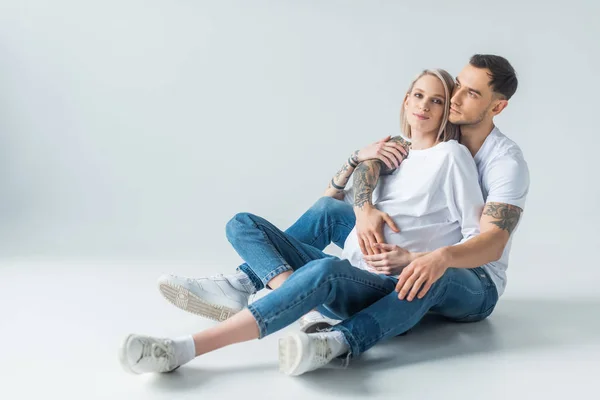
<point>336,185</point>
<point>388,152</point>
<point>369,220</point>
<point>368,172</point>
<point>497,223</point>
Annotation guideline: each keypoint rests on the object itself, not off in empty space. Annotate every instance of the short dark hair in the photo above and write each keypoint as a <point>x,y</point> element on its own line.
<point>503,76</point>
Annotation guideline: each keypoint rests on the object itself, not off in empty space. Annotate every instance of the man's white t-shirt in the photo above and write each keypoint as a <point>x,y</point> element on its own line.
<point>415,196</point>
<point>433,197</point>
<point>504,178</point>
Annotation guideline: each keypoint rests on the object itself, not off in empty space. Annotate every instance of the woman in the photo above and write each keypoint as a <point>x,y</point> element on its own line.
<point>434,195</point>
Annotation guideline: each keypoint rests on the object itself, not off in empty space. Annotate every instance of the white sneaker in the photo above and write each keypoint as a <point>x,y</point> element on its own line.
<point>142,354</point>
<point>212,297</point>
<point>314,322</point>
<point>300,352</point>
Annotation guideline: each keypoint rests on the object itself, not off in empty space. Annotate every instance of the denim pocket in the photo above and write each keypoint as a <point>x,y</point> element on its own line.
<point>489,301</point>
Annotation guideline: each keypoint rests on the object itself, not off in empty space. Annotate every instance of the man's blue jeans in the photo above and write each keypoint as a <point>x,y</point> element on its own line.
<point>367,302</point>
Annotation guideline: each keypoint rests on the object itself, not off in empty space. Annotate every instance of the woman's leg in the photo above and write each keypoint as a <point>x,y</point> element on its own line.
<point>239,328</point>
<point>328,220</point>
<point>271,256</point>
<point>331,282</point>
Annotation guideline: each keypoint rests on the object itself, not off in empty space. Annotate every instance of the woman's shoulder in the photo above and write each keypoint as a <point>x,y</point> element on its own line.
<point>455,149</point>
<point>457,153</point>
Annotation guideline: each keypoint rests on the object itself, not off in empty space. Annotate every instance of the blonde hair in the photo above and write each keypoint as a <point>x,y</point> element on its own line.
<point>447,131</point>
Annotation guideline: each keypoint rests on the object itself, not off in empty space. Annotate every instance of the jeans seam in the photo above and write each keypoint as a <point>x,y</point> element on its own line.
<point>264,280</point>
<point>445,288</point>
<point>382,334</point>
<point>466,288</point>
<point>327,228</point>
<point>283,238</point>
<point>329,279</point>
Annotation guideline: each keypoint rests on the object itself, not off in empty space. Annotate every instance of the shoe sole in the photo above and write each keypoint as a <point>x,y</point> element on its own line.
<point>290,354</point>
<point>182,298</point>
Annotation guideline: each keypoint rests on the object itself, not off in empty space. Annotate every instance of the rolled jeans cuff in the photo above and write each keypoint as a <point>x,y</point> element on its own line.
<point>262,328</point>
<point>279,270</point>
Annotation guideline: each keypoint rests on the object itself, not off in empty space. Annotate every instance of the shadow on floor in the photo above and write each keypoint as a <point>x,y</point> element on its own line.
<point>515,325</point>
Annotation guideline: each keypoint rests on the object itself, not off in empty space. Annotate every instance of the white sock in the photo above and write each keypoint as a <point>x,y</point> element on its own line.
<point>241,282</point>
<point>185,349</point>
<point>339,344</point>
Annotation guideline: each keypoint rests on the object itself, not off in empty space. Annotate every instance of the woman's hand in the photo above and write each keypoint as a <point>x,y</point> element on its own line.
<point>391,261</point>
<point>390,153</point>
<point>369,228</point>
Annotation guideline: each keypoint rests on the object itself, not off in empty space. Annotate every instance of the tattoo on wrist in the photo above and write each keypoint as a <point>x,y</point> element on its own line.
<point>506,215</point>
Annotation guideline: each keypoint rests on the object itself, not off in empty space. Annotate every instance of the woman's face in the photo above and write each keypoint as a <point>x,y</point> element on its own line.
<point>425,104</point>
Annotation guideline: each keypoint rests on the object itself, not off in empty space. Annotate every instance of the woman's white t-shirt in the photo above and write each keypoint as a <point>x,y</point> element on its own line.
<point>434,198</point>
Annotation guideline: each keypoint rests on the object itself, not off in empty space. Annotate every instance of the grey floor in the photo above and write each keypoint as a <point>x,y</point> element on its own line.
<point>62,324</point>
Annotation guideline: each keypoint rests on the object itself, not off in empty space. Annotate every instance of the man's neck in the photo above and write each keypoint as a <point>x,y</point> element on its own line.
<point>473,136</point>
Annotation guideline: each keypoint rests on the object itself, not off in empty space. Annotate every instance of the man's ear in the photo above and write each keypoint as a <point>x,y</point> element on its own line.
<point>500,105</point>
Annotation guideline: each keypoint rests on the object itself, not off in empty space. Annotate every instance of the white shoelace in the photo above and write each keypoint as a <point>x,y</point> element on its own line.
<point>195,280</point>
<point>322,354</point>
<point>323,351</point>
<point>158,353</point>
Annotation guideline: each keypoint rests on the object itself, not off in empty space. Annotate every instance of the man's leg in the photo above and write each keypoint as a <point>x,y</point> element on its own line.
<point>460,294</point>
<point>329,281</point>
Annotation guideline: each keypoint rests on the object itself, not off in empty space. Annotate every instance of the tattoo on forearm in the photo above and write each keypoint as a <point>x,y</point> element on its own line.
<point>506,215</point>
<point>335,184</point>
<point>365,180</point>
<point>342,171</point>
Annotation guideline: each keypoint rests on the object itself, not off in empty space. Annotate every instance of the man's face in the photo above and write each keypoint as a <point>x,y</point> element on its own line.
<point>473,99</point>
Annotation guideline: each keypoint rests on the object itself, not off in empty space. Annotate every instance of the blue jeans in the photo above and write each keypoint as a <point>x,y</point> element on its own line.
<point>327,221</point>
<point>367,302</point>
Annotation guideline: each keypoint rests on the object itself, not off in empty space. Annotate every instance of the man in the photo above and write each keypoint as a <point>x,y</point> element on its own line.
<point>483,89</point>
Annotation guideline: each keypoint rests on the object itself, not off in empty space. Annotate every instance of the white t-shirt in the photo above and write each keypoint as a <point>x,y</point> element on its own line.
<point>504,178</point>
<point>433,197</point>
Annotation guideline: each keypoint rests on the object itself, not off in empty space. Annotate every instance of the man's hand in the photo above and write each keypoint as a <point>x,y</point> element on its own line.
<point>369,228</point>
<point>391,261</point>
<point>390,152</point>
<point>421,274</point>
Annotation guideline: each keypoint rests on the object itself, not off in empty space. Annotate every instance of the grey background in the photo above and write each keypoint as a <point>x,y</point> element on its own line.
<point>131,131</point>
<point>136,129</point>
